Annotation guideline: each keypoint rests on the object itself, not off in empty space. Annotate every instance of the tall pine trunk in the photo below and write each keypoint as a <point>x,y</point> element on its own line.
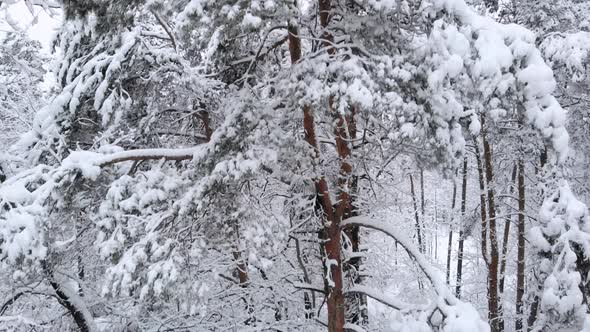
<point>461,235</point>
<point>521,247</point>
<point>496,322</point>
<point>482,204</point>
<point>332,216</point>
<point>505,239</point>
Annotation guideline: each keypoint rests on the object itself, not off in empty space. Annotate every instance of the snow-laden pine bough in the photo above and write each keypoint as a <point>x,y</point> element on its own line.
<point>562,273</point>
<point>446,313</point>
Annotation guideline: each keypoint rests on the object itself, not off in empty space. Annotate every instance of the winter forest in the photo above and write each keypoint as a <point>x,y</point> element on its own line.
<point>295,165</point>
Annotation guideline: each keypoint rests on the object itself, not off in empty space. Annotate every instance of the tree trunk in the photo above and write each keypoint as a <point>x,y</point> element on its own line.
<point>482,204</point>
<point>435,225</point>
<point>332,219</point>
<point>521,247</point>
<point>417,218</point>
<point>356,304</point>
<point>461,239</point>
<point>422,207</point>
<point>496,322</point>
<point>535,304</point>
<point>450,246</point>
<point>505,239</point>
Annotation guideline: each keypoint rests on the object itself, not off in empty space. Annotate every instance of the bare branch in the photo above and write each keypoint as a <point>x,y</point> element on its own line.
<point>379,296</point>
<point>166,28</point>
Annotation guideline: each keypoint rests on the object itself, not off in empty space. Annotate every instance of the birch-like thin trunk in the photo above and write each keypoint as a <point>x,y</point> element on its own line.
<point>416,215</point>
<point>506,238</point>
<point>450,246</point>
<point>520,268</point>
<point>461,239</point>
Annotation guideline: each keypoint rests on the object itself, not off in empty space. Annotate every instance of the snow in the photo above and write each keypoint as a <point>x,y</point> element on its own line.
<point>460,316</point>
<point>561,240</point>
<point>569,49</point>
<point>85,162</point>
<point>251,21</point>
<point>165,231</point>
<point>381,297</point>
<point>15,193</point>
<point>498,47</point>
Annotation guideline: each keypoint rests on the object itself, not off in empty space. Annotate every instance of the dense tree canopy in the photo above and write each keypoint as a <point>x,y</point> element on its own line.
<point>206,165</point>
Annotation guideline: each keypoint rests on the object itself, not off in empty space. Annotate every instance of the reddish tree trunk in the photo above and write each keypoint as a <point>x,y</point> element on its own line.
<point>332,217</point>
<point>496,322</point>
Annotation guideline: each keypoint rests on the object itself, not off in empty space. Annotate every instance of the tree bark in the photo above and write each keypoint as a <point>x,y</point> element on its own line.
<point>356,303</point>
<point>450,246</point>
<point>496,322</point>
<point>506,237</point>
<point>521,247</point>
<point>417,218</point>
<point>332,217</point>
<point>482,204</point>
<point>461,239</point>
<point>64,299</point>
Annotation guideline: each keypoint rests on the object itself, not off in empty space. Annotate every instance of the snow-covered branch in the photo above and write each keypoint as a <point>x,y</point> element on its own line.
<point>433,275</point>
<point>146,154</point>
<point>380,296</point>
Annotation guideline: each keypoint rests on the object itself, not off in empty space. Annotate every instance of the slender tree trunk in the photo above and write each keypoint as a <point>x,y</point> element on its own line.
<point>422,204</point>
<point>308,297</point>
<point>81,274</point>
<point>332,217</point>
<point>482,204</point>
<point>356,304</point>
<point>450,246</point>
<point>521,247</point>
<point>461,239</point>
<point>241,267</point>
<point>506,237</point>
<point>241,271</point>
<point>535,304</point>
<point>435,226</point>
<point>496,322</point>
<point>416,216</point>
<point>504,253</point>
<point>423,208</point>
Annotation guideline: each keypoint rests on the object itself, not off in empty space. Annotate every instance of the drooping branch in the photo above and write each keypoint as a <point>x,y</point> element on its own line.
<point>70,301</point>
<point>10,301</point>
<point>166,28</point>
<point>379,296</point>
<point>447,304</point>
<point>436,280</point>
